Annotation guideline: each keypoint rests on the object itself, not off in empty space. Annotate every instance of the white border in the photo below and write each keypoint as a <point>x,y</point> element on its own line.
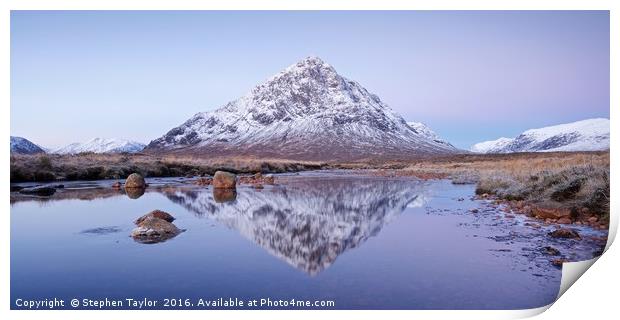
<point>592,304</point>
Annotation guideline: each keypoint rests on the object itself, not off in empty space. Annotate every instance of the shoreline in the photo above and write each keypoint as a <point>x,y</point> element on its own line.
<point>510,208</point>
<point>567,187</point>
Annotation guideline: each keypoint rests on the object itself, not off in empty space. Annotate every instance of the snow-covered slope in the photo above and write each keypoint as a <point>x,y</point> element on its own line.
<point>21,145</point>
<point>493,146</point>
<point>585,135</point>
<point>307,111</point>
<point>427,132</point>
<point>100,145</point>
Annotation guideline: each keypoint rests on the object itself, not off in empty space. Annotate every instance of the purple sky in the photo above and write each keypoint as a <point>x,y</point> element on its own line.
<point>471,76</point>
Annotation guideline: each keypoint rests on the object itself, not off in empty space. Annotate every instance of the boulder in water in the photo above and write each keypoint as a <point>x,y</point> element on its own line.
<point>135,181</point>
<point>224,180</point>
<point>154,230</point>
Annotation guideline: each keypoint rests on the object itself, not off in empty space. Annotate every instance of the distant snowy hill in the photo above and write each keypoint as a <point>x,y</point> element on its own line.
<point>308,111</point>
<point>585,135</point>
<point>427,132</point>
<point>21,145</point>
<point>493,146</point>
<point>100,145</point>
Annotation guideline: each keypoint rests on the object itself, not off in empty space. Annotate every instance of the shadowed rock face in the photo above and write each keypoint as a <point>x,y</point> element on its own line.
<point>308,223</point>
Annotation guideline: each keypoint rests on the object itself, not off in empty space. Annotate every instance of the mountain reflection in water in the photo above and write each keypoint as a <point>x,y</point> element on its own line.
<point>431,257</point>
<point>308,222</point>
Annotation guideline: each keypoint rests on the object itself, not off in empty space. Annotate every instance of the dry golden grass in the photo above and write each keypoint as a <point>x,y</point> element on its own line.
<point>516,165</point>
<point>571,180</point>
<point>90,166</point>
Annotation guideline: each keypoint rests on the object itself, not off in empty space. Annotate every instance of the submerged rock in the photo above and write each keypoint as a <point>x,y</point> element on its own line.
<point>565,233</point>
<point>224,180</point>
<point>269,179</point>
<point>155,214</point>
<point>550,251</point>
<point>135,181</point>
<point>154,230</point>
<point>116,185</point>
<point>39,191</point>
<point>558,262</point>
<point>101,230</point>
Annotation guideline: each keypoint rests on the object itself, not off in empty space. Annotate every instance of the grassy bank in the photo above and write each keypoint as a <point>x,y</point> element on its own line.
<point>90,166</point>
<point>577,182</point>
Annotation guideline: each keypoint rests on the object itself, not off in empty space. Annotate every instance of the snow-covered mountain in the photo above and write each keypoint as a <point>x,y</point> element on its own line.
<point>101,145</point>
<point>427,132</point>
<point>21,145</point>
<point>308,111</point>
<point>493,146</point>
<point>585,135</point>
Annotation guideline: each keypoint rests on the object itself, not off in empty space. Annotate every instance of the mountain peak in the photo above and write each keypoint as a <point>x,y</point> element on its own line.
<point>311,60</point>
<point>307,111</point>
<point>311,67</point>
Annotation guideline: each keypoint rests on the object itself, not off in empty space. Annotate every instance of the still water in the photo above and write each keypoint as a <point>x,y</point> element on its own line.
<point>361,242</point>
